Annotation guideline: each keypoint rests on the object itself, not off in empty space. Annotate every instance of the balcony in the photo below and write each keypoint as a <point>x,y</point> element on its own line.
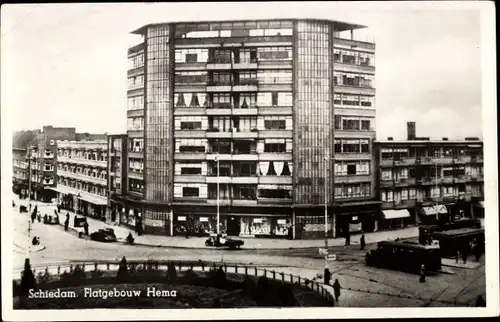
<point>447,180</point>
<point>135,112</point>
<point>278,134</point>
<point>190,134</point>
<point>270,156</point>
<point>82,177</point>
<point>353,67</point>
<point>214,133</point>
<point>136,175</point>
<point>245,134</point>
<point>248,179</point>
<point>189,156</point>
<point>247,64</point>
<point>245,156</point>
<point>222,179</point>
<point>405,182</point>
<point>135,92</point>
<point>219,65</point>
<point>347,89</point>
<point>245,111</point>
<point>136,154</point>
<point>136,133</point>
<point>353,179</point>
<point>275,110</point>
<point>353,43</point>
<point>48,169</point>
<point>190,178</point>
<point>80,161</point>
<point>180,111</point>
<point>280,180</point>
<point>386,183</point>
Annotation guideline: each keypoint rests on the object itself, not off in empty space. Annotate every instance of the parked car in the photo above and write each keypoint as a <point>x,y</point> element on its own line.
<point>104,235</point>
<point>222,241</point>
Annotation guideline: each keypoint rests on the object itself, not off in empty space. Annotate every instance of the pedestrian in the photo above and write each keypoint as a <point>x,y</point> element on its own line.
<point>348,238</point>
<point>458,257</point>
<point>66,222</point>
<point>30,206</point>
<point>39,217</point>
<point>362,242</point>
<point>336,289</point>
<point>59,208</point>
<point>327,276</point>
<point>422,273</point>
<point>86,228</point>
<point>45,217</point>
<point>465,255</point>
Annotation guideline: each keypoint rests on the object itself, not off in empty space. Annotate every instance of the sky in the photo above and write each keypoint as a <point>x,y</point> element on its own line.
<point>66,64</point>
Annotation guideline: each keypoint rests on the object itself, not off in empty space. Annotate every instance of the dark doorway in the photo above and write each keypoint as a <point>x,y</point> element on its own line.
<point>233,226</point>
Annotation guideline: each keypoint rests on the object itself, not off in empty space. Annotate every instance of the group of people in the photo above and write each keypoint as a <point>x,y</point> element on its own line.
<point>336,285</point>
<point>474,247</point>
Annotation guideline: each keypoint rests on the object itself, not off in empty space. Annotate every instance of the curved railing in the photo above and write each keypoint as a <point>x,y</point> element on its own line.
<point>40,271</point>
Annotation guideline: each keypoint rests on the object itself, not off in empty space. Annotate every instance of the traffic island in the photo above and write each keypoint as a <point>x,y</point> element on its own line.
<point>153,284</point>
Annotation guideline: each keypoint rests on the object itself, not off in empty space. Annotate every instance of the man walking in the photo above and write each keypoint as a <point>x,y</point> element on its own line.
<point>362,242</point>
<point>422,273</point>
<point>66,222</point>
<point>336,289</point>
<point>328,276</point>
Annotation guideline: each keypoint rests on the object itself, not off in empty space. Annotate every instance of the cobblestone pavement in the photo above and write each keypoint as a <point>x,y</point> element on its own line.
<point>360,283</point>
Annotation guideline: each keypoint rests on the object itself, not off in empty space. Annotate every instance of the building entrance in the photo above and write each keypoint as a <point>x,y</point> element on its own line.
<point>233,226</point>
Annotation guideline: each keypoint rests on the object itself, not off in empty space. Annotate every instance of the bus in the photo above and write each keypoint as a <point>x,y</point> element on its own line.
<point>405,256</point>
<point>452,242</point>
<point>425,231</point>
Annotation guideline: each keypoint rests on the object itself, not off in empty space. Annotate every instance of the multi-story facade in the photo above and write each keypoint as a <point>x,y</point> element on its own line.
<point>20,170</point>
<point>43,160</point>
<point>422,180</point>
<point>81,183</point>
<point>252,116</point>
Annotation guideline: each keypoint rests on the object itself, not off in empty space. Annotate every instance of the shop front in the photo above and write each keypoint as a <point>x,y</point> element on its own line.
<point>92,206</point>
<point>392,219</point>
<point>433,214</point>
<point>265,226</point>
<point>195,224</point>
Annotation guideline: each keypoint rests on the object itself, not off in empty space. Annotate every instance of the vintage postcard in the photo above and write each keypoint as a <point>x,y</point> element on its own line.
<point>286,159</point>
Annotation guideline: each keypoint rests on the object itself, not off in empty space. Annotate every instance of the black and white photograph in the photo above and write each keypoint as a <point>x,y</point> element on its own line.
<point>325,158</point>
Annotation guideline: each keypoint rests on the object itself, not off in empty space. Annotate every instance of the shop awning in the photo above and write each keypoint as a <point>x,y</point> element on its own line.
<point>393,214</point>
<point>95,200</point>
<point>433,210</point>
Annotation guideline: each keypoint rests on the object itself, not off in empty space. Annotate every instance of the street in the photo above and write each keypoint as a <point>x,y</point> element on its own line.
<point>458,285</point>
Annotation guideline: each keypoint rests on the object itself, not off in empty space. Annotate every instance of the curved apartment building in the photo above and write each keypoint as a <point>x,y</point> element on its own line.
<point>247,119</point>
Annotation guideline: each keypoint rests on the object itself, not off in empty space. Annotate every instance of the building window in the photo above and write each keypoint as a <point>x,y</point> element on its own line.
<point>190,125</point>
<point>275,147</point>
<point>190,192</point>
<point>275,124</point>
<point>386,174</point>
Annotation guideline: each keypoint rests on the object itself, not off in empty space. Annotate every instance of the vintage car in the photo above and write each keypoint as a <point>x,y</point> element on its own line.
<point>223,241</point>
<point>104,235</point>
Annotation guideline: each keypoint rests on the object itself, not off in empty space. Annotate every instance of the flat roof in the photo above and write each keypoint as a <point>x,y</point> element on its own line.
<point>340,25</point>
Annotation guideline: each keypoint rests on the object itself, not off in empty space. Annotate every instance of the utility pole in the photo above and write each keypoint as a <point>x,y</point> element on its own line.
<point>218,212</point>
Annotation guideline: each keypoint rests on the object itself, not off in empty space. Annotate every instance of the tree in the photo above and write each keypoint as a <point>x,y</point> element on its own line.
<point>28,281</point>
<point>219,278</point>
<point>171,273</point>
<point>122,275</point>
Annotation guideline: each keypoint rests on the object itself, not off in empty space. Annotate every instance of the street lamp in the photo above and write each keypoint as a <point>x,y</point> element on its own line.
<point>325,179</point>
<point>218,213</point>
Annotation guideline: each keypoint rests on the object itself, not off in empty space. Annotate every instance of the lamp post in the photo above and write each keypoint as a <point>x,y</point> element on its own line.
<point>218,213</point>
<point>325,179</point>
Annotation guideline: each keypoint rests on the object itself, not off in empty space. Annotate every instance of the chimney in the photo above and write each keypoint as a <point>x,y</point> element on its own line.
<point>389,138</point>
<point>445,139</point>
<point>471,138</point>
<point>411,131</point>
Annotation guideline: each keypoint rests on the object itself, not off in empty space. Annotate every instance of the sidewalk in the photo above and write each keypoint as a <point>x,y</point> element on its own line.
<point>121,233</point>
